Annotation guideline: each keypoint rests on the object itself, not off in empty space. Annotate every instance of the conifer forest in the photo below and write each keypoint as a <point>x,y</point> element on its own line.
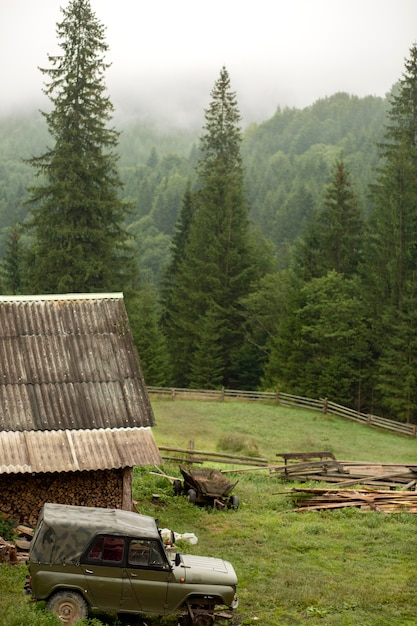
<point>277,256</point>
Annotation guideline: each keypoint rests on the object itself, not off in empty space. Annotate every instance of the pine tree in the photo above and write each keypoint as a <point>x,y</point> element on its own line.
<point>215,270</point>
<point>80,243</point>
<point>334,238</point>
<point>179,242</point>
<point>207,364</point>
<point>397,371</point>
<point>143,311</point>
<point>391,262</point>
<point>12,264</point>
<point>394,219</point>
<point>321,349</point>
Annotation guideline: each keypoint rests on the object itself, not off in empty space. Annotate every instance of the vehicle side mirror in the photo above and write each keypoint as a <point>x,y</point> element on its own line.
<point>177,559</point>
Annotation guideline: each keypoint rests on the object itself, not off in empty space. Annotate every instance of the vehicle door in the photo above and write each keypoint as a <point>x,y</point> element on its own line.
<point>104,572</point>
<point>149,573</point>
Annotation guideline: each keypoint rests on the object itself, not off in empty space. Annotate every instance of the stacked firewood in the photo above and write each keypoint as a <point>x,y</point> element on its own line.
<point>101,488</point>
<point>16,551</point>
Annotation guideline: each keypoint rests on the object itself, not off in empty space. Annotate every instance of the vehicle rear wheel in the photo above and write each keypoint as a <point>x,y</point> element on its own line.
<point>69,606</point>
<point>191,495</point>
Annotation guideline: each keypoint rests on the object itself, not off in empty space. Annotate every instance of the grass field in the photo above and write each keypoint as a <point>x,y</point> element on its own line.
<point>345,567</point>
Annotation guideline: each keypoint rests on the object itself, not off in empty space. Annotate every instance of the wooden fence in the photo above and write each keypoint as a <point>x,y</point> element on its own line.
<point>286,399</point>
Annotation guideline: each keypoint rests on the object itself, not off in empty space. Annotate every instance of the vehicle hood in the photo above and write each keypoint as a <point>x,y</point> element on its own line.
<point>205,569</point>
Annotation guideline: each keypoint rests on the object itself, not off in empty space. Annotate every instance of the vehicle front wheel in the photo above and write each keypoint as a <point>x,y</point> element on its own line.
<point>69,606</point>
<point>200,612</point>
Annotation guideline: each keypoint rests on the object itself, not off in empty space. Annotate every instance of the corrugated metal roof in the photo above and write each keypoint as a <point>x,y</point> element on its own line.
<point>76,450</point>
<point>69,362</point>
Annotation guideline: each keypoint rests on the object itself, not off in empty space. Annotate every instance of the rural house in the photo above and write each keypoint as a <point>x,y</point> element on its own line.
<point>75,416</point>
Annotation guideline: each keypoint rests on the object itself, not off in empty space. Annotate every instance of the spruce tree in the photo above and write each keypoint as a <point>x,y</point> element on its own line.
<point>397,368</point>
<point>321,347</point>
<point>207,363</point>
<point>393,257</point>
<point>333,240</point>
<point>143,311</point>
<point>181,234</point>
<point>391,263</point>
<point>179,242</point>
<point>215,270</point>
<point>79,240</point>
<point>12,264</point>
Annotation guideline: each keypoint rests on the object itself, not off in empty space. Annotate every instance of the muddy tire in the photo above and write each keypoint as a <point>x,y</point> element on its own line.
<point>200,612</point>
<point>203,620</point>
<point>69,606</point>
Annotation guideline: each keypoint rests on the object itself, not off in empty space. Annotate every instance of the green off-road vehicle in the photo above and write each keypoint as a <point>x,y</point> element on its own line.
<point>113,560</point>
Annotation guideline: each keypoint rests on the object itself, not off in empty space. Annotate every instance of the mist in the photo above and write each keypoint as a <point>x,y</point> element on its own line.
<point>165,57</point>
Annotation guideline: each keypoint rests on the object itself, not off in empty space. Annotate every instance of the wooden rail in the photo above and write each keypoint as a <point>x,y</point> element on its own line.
<point>199,456</point>
<point>285,399</point>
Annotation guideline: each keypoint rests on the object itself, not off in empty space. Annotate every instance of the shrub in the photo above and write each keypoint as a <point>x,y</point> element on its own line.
<point>7,527</point>
<point>237,443</point>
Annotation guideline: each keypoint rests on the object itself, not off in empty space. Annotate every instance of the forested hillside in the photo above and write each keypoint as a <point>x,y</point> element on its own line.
<point>287,159</point>
<point>306,325</point>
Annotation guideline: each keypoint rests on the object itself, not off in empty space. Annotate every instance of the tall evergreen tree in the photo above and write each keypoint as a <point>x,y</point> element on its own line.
<point>334,238</point>
<point>215,270</point>
<point>321,349</point>
<point>391,263</point>
<point>181,233</point>
<point>143,311</point>
<point>394,217</point>
<point>207,364</point>
<point>397,367</point>
<point>80,243</point>
<point>12,264</point>
<point>179,242</point>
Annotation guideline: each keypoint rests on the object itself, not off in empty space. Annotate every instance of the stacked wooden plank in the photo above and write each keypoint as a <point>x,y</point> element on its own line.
<point>366,499</point>
<point>391,475</point>
<point>322,466</point>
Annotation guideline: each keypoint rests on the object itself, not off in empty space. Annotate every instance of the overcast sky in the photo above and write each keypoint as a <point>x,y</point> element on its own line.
<point>166,54</point>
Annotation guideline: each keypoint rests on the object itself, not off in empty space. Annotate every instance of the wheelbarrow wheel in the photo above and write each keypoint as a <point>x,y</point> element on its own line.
<point>192,496</point>
<point>177,487</point>
<point>234,502</point>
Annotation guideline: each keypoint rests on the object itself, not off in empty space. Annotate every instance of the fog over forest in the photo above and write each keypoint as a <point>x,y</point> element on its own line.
<point>165,57</point>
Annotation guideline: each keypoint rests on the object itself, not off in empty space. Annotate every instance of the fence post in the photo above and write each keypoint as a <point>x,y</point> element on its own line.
<point>325,403</point>
<point>191,448</point>
<point>222,395</point>
<point>173,393</point>
<point>277,395</point>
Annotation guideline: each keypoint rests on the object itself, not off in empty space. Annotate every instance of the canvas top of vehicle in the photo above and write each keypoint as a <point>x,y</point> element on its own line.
<point>63,531</point>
